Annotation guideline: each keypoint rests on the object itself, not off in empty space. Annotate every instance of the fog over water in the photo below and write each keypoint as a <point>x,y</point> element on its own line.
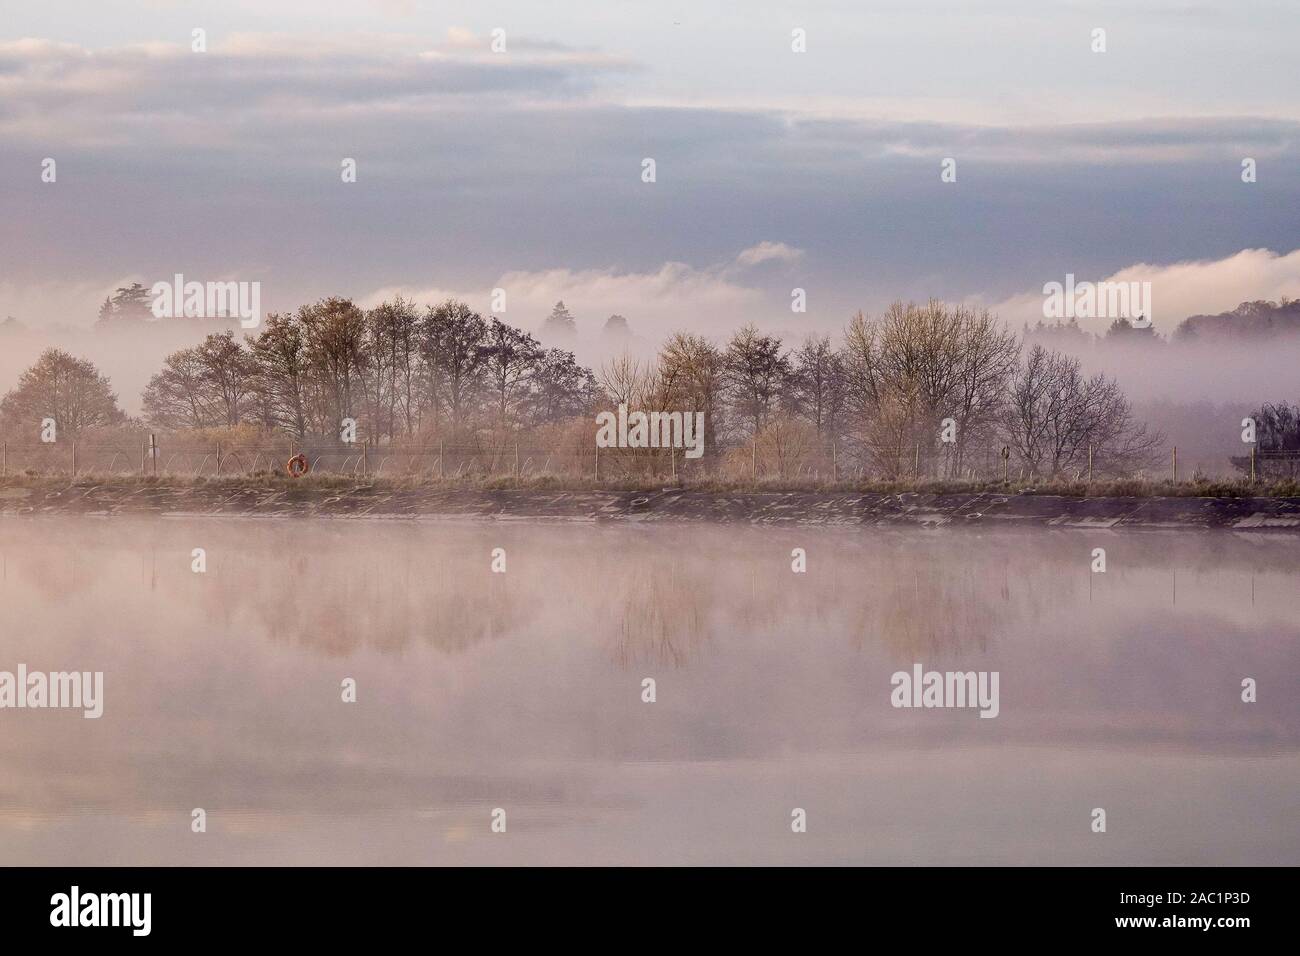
<point>522,690</point>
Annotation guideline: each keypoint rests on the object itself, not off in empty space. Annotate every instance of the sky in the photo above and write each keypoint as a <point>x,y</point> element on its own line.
<point>774,169</point>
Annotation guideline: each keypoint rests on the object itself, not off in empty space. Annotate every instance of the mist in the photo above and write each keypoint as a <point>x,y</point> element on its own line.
<point>523,690</point>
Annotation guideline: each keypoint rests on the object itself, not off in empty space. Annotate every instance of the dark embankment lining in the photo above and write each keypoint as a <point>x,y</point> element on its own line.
<point>830,508</point>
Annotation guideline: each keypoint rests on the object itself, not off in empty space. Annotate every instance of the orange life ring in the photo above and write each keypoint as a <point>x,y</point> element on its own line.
<point>297,466</point>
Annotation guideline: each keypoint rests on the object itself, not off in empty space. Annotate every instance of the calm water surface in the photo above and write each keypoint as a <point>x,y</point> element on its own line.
<point>523,691</point>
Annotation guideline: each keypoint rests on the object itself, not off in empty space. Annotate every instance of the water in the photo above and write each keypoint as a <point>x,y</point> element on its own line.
<point>523,691</point>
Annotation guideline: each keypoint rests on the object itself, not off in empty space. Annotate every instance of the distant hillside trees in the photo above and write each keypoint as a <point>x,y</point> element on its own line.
<point>560,324</point>
<point>128,306</point>
<point>1249,322</point>
<point>616,330</point>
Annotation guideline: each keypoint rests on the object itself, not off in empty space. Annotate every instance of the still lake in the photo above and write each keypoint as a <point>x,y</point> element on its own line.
<point>523,691</point>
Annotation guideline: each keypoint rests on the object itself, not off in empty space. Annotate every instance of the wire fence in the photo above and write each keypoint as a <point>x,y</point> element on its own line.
<point>443,460</point>
<point>186,457</point>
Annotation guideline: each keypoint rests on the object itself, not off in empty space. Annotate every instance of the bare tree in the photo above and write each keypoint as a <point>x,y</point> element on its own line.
<point>335,334</point>
<point>391,374</point>
<point>177,396</point>
<point>1055,415</point>
<point>916,366</point>
<point>690,377</point>
<point>210,385</point>
<point>988,355</point>
<point>629,382</point>
<point>454,344</point>
<point>65,388</point>
<point>281,373</point>
<point>228,375</point>
<point>755,371</point>
<point>817,386</point>
<point>512,357</point>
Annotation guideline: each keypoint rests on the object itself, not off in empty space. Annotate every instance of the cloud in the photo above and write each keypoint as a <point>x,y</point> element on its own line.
<point>473,166</point>
<point>73,303</point>
<point>63,94</point>
<point>1180,289</point>
<point>768,252</point>
<point>674,296</point>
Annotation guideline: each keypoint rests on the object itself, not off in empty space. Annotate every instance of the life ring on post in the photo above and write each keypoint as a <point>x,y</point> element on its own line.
<point>297,466</point>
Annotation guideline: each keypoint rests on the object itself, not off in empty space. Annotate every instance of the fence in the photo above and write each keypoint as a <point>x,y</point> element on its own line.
<point>182,456</point>
<point>444,460</point>
<point>186,457</point>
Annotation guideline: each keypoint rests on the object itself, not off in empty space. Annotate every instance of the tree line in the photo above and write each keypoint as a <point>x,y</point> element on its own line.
<point>927,389</point>
<point>930,389</point>
<point>396,370</point>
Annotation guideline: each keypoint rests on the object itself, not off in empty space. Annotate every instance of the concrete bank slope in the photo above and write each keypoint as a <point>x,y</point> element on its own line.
<point>986,510</point>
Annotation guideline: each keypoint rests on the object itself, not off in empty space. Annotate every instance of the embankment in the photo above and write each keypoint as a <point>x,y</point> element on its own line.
<point>376,500</point>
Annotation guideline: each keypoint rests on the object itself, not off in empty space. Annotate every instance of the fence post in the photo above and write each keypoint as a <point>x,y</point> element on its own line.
<point>153,452</point>
<point>916,463</point>
<point>365,458</point>
<point>1175,464</point>
<point>218,459</point>
<point>1090,462</point>
<point>516,459</point>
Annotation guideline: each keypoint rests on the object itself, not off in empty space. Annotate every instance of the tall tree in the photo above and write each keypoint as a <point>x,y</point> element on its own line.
<point>127,307</point>
<point>454,343</point>
<point>512,358</point>
<point>281,374</point>
<point>335,334</point>
<point>560,324</point>
<point>1055,415</point>
<point>691,377</point>
<point>228,373</point>
<point>65,388</point>
<point>561,387</point>
<point>210,385</point>
<point>616,330</point>
<point>177,395</point>
<point>756,370</point>
<point>817,386</point>
<point>987,357</point>
<point>391,374</point>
